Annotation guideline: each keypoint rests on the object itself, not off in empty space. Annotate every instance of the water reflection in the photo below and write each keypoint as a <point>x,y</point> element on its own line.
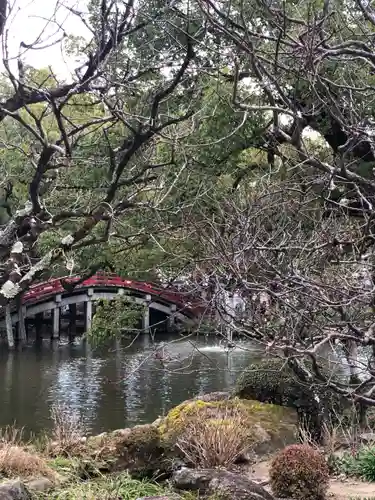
<point>115,387</point>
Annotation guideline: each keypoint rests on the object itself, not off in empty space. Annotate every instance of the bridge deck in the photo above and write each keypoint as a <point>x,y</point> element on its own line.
<point>55,294</point>
<point>41,291</point>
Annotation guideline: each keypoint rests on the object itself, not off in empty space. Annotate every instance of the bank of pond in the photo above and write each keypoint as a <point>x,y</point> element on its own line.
<point>205,447</point>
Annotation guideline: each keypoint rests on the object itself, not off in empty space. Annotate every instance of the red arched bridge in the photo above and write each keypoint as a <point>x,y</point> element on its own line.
<point>52,297</point>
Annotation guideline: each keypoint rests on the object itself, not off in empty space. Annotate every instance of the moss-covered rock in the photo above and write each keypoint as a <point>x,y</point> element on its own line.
<point>140,451</point>
<point>272,381</point>
<point>268,427</point>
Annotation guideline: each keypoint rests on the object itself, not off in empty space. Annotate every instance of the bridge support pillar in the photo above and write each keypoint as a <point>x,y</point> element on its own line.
<point>56,318</point>
<point>22,336</point>
<point>39,325</point>
<point>146,315</point>
<point>9,327</point>
<point>172,317</point>
<point>88,309</point>
<point>72,319</point>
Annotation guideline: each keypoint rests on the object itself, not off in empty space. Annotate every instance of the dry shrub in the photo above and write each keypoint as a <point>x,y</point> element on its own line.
<point>216,441</point>
<point>16,461</point>
<point>299,471</point>
<point>67,432</point>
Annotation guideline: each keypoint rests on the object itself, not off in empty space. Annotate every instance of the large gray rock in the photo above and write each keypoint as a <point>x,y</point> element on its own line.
<point>14,490</point>
<point>163,497</point>
<point>214,396</point>
<point>228,485</point>
<point>40,484</point>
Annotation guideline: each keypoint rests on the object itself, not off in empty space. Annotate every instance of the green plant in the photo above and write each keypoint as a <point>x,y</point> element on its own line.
<point>345,464</point>
<point>358,464</point>
<point>299,471</point>
<point>365,463</point>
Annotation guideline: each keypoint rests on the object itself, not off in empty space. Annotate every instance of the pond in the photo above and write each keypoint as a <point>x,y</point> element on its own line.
<point>115,387</point>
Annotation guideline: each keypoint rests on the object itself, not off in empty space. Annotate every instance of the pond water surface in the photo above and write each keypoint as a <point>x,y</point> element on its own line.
<point>115,387</point>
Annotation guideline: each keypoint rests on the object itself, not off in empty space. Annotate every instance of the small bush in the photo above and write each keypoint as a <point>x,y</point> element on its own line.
<point>299,471</point>
<point>214,442</point>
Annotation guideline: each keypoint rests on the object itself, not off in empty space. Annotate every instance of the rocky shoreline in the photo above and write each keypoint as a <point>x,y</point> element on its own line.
<point>203,448</point>
<point>156,452</point>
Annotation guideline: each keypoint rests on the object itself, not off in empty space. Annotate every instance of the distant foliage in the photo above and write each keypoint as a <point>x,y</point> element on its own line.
<point>113,317</point>
<point>300,472</point>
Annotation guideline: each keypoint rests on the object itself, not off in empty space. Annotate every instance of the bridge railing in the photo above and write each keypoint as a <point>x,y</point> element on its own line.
<point>54,287</point>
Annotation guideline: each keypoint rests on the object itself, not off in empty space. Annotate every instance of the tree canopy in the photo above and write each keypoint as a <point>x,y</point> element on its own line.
<point>230,144</point>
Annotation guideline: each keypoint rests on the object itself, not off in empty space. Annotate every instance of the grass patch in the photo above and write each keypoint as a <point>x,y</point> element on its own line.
<point>109,488</point>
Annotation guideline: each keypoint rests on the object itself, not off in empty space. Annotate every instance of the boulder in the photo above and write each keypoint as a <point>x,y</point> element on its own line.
<point>137,449</point>
<point>265,428</point>
<point>227,485</point>
<point>14,490</point>
<point>41,484</point>
<point>140,451</point>
<point>163,497</point>
<point>367,437</point>
<point>214,396</point>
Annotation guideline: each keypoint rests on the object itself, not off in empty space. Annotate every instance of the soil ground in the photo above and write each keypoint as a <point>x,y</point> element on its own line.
<point>339,489</point>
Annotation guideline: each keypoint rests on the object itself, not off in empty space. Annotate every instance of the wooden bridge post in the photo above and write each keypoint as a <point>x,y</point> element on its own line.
<point>72,319</point>
<point>9,327</point>
<point>88,309</point>
<point>56,317</point>
<point>39,325</point>
<point>171,317</point>
<point>21,323</point>
<point>146,315</point>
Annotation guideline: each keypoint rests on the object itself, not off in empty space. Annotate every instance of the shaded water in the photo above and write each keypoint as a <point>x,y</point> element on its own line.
<point>114,387</point>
